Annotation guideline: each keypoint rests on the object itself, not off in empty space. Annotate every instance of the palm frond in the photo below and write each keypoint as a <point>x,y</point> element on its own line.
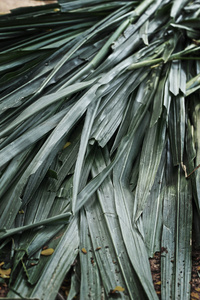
<point>99,130</point>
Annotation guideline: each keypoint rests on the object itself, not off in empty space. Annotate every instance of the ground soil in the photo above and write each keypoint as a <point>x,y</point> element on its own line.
<point>7,5</point>
<point>195,280</point>
<point>155,271</point>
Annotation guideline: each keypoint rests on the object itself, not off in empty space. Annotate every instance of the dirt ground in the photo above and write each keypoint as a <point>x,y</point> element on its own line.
<point>155,270</point>
<point>195,280</point>
<point>7,5</point>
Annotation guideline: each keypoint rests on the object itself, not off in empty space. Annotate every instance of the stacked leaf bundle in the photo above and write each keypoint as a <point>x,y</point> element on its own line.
<point>99,129</point>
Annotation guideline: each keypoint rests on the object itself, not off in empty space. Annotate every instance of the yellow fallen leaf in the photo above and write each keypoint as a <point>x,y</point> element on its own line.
<point>84,250</point>
<point>194,296</point>
<point>47,252</point>
<point>158,283</point>
<point>5,273</point>
<point>118,289</point>
<point>98,248</point>
<point>158,292</point>
<point>2,263</point>
<point>66,293</point>
<point>21,211</point>
<point>56,9</point>
<point>67,145</point>
<point>197,289</point>
<point>198,268</point>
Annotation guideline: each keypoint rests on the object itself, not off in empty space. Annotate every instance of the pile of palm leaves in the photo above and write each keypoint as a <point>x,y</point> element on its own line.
<point>99,132</point>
